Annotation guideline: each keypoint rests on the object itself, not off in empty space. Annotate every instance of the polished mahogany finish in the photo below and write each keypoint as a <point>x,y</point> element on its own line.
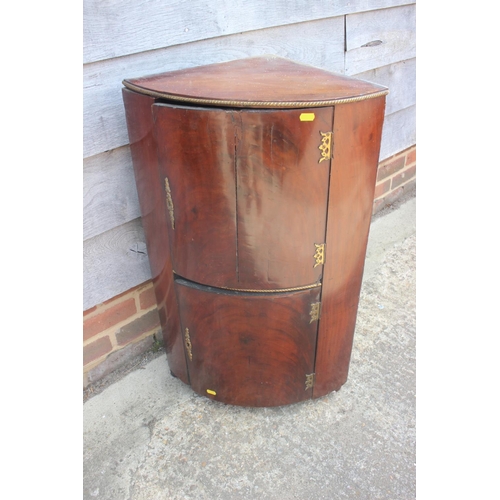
<point>256,181</point>
<point>264,81</point>
<point>154,221</point>
<point>237,180</point>
<point>357,131</point>
<point>196,155</point>
<point>249,349</point>
<point>282,197</point>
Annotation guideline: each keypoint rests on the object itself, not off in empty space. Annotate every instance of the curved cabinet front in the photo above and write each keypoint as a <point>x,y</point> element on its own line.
<point>256,215</point>
<point>249,349</point>
<point>246,192</point>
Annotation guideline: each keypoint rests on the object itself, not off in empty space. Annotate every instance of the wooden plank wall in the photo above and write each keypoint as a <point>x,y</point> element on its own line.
<point>371,39</point>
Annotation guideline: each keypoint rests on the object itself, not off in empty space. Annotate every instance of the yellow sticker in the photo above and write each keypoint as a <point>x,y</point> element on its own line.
<point>307,117</point>
<point>209,391</point>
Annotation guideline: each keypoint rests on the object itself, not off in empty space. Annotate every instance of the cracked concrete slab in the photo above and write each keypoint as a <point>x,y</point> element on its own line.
<point>148,436</point>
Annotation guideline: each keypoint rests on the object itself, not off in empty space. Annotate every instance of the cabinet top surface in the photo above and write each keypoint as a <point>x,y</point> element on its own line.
<point>266,81</point>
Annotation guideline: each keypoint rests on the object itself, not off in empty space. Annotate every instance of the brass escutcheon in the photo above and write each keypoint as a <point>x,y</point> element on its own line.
<point>325,146</point>
<point>187,343</point>
<point>314,313</point>
<point>170,203</point>
<point>319,255</point>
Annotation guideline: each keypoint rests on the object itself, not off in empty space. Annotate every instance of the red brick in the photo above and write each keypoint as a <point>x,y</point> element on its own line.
<point>399,192</point>
<point>119,358</point>
<point>109,317</point>
<point>390,168</point>
<point>402,177</point>
<point>136,328</point>
<point>393,196</point>
<point>147,298</point>
<point>382,188</point>
<point>96,349</point>
<point>411,157</point>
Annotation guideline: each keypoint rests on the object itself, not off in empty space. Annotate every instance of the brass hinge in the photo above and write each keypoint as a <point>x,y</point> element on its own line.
<point>319,255</point>
<point>170,203</point>
<point>326,146</point>
<point>310,381</point>
<point>315,311</point>
<point>187,343</point>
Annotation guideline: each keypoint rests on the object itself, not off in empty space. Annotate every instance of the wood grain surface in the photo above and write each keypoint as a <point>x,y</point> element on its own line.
<point>282,196</point>
<point>236,198</point>
<point>249,194</point>
<point>255,82</point>
<point>114,29</point>
<point>109,192</point>
<point>357,132</point>
<point>196,154</point>
<point>104,125</point>
<point>154,220</point>
<point>249,349</point>
<point>106,255</point>
<point>377,38</point>
<point>401,78</point>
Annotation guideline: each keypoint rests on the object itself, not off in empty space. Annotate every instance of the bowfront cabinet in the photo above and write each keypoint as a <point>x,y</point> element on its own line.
<point>255,179</point>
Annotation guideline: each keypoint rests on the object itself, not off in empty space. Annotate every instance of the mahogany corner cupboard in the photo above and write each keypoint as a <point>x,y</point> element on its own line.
<point>256,180</point>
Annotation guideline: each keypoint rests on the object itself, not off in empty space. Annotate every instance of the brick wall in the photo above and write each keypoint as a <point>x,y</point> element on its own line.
<point>117,330</point>
<point>127,325</point>
<point>395,176</point>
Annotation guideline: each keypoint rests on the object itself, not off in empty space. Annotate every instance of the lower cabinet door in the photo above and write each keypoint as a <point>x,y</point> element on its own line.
<point>249,349</point>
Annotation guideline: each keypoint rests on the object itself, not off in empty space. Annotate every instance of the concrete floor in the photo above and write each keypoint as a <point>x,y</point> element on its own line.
<point>148,436</point>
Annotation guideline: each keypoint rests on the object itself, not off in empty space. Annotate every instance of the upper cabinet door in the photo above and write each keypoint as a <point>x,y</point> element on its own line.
<point>282,190</point>
<point>197,171</point>
<point>246,192</point>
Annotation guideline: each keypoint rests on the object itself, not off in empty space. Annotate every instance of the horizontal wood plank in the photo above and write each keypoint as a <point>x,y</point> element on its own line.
<point>400,79</point>
<point>109,192</point>
<point>114,29</point>
<point>114,262</point>
<point>378,38</point>
<point>399,132</point>
<point>318,43</point>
